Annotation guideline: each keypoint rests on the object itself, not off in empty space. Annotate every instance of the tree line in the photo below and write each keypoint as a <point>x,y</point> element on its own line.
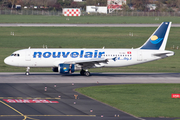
<point>161,5</point>
<point>137,5</point>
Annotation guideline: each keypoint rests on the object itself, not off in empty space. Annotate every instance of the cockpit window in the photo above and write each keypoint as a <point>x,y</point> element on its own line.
<point>15,55</point>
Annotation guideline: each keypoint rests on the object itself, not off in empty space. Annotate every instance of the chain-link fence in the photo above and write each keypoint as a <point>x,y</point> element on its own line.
<point>30,12</point>
<point>123,13</point>
<point>59,13</point>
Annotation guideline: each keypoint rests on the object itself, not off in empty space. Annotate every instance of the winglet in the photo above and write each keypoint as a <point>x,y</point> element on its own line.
<point>158,40</point>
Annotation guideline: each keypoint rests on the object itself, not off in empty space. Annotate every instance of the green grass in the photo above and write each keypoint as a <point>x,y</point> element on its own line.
<point>85,19</point>
<point>90,37</point>
<point>141,100</point>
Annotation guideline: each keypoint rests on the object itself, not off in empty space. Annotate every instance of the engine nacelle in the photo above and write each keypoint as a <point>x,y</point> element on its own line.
<point>66,68</point>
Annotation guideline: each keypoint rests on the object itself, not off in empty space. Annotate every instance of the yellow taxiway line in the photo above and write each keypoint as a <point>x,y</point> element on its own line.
<point>29,116</point>
<point>25,116</point>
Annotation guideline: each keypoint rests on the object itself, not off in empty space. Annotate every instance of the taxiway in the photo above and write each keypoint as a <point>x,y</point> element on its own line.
<point>45,96</point>
<point>51,77</point>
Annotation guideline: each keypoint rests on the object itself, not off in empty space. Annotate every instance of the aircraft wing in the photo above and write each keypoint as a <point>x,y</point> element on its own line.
<point>89,63</point>
<point>92,61</point>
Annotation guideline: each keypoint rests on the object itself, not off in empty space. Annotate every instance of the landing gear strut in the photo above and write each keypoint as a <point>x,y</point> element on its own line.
<point>27,71</point>
<point>83,72</point>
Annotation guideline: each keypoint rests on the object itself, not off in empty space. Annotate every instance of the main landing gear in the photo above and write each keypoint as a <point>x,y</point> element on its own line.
<point>85,72</point>
<point>27,71</point>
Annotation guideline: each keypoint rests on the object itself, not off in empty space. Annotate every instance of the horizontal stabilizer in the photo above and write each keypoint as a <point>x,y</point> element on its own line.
<point>164,54</point>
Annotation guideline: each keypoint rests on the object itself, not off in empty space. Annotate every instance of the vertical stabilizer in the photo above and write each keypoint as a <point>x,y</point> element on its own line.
<point>158,40</point>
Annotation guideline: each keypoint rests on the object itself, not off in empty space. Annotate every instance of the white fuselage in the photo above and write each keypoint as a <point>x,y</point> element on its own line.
<point>53,57</point>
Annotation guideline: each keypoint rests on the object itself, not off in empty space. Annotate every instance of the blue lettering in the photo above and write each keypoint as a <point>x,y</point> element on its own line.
<point>125,58</point>
<point>95,53</point>
<point>65,55</point>
<point>81,54</point>
<point>56,56</point>
<point>74,54</point>
<point>88,55</point>
<point>100,54</point>
<point>39,54</point>
<point>46,54</point>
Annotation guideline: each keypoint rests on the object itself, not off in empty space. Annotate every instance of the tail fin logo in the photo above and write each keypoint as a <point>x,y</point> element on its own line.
<point>158,39</point>
<point>155,39</point>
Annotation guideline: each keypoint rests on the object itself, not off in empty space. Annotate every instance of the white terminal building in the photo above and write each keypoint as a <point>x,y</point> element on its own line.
<point>96,9</point>
<point>111,6</point>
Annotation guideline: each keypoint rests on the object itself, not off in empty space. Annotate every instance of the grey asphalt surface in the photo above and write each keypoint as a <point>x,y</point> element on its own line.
<point>65,109</point>
<point>51,77</point>
<point>79,25</point>
<point>20,86</point>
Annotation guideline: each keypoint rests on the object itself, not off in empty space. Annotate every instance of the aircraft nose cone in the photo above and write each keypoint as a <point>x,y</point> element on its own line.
<point>7,61</point>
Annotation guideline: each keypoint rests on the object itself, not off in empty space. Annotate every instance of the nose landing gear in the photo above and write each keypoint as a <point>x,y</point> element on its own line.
<point>27,71</point>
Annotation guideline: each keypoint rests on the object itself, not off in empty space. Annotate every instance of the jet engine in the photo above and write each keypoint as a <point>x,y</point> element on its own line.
<point>66,68</point>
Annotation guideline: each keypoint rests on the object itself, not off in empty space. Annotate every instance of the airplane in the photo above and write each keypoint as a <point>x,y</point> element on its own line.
<point>67,61</point>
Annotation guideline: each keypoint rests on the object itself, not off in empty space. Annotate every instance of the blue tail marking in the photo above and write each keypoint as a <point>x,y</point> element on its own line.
<point>157,38</point>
